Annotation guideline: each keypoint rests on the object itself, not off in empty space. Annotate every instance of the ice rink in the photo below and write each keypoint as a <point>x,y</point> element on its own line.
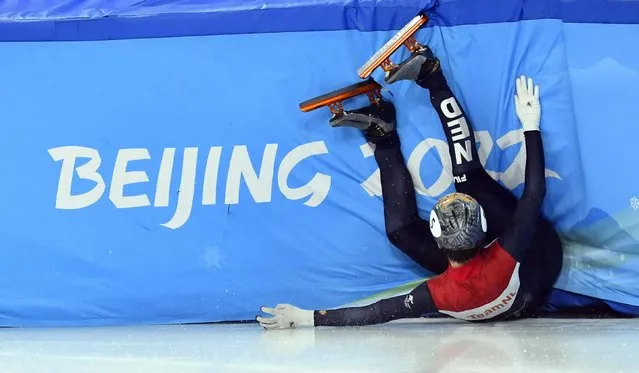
<point>429,346</point>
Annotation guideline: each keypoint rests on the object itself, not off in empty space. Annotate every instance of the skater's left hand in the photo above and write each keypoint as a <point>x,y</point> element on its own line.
<point>286,316</point>
<point>527,103</point>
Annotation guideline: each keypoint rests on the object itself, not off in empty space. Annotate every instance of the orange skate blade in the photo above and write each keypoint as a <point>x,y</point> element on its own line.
<point>334,98</point>
<point>403,37</point>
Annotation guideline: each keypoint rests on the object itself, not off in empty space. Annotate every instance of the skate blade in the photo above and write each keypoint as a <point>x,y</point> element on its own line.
<point>405,36</point>
<point>334,98</point>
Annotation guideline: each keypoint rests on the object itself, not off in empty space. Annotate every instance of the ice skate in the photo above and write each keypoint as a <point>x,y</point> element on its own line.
<point>421,64</point>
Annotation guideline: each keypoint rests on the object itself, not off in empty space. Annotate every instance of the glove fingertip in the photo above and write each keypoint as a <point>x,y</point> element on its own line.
<point>531,87</point>
<point>518,85</point>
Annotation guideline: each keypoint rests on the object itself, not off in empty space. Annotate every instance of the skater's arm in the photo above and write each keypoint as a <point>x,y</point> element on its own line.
<point>413,305</point>
<point>517,237</point>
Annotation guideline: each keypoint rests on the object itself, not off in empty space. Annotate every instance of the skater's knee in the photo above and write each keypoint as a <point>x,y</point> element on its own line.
<point>394,236</point>
<point>408,235</point>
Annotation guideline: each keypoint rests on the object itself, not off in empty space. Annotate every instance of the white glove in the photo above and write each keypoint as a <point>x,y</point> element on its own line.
<point>527,104</point>
<point>286,316</point>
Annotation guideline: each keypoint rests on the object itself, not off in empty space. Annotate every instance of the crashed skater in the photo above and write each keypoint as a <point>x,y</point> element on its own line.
<point>494,256</point>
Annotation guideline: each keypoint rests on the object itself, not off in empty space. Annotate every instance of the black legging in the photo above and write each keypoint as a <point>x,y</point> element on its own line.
<point>411,234</point>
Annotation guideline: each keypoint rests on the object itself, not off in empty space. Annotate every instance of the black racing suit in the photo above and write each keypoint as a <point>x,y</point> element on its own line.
<point>525,253</point>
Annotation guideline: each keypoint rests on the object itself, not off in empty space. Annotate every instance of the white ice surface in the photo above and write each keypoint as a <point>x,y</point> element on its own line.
<point>428,346</point>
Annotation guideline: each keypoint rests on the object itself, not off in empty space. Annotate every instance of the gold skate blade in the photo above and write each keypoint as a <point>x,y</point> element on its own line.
<point>337,96</point>
<point>382,55</point>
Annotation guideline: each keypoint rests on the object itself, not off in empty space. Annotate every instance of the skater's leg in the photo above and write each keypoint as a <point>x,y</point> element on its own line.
<point>404,227</point>
<point>469,175</point>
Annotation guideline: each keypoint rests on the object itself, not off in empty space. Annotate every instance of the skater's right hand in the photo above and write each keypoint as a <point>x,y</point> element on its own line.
<point>286,316</point>
<point>527,103</point>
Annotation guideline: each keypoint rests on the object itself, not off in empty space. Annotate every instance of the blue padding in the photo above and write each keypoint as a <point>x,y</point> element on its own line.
<point>103,258</point>
<point>561,300</point>
<point>124,19</point>
<point>210,193</point>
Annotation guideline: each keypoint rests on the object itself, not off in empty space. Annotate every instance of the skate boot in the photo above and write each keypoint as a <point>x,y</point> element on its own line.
<point>376,120</point>
<point>418,67</point>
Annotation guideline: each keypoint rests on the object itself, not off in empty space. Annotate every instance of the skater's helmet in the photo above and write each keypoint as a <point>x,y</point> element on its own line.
<point>458,224</point>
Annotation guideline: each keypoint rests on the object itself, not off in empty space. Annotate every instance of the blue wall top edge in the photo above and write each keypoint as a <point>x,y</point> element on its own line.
<point>66,20</point>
